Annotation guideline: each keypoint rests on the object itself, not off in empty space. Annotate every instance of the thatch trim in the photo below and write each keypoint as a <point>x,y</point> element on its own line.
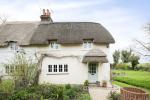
<point>95,55</point>
<point>95,59</point>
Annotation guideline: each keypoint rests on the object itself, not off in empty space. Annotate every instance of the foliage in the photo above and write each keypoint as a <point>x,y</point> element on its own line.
<point>7,86</point>
<point>144,67</point>
<point>136,78</point>
<point>113,95</point>
<point>116,57</point>
<point>84,96</point>
<point>124,66</point>
<point>50,92</point>
<point>125,56</point>
<point>86,83</point>
<point>23,70</point>
<point>134,60</point>
<point>68,86</point>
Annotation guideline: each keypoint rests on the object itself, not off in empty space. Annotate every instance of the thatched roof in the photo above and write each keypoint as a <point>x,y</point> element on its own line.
<point>95,55</point>
<point>27,33</point>
<point>21,32</point>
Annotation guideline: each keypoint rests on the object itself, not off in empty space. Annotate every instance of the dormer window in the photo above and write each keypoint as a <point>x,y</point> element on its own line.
<point>13,46</point>
<point>54,44</point>
<point>87,44</point>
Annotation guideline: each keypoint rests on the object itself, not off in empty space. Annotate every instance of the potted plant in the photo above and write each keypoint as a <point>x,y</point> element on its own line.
<point>98,83</point>
<point>86,84</point>
<point>104,83</point>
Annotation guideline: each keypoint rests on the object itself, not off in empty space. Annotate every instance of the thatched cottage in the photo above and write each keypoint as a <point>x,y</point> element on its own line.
<point>71,52</point>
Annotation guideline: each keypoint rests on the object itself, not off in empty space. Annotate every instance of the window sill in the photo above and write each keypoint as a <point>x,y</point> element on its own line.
<point>57,73</point>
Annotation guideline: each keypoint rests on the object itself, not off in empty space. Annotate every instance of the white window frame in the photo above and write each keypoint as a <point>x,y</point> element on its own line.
<point>54,44</point>
<point>58,69</point>
<point>88,44</point>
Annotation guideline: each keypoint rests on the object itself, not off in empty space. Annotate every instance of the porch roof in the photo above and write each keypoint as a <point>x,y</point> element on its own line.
<point>95,55</point>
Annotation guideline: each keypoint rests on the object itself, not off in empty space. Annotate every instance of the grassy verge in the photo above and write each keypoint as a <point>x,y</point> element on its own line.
<point>135,78</point>
<point>127,85</point>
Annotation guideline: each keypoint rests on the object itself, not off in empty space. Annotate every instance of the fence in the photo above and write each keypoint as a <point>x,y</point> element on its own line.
<point>129,93</point>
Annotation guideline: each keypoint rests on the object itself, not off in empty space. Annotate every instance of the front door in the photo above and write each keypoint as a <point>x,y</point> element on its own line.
<point>92,72</point>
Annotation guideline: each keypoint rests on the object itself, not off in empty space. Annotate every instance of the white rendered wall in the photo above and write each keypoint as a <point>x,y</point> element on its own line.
<point>78,71</point>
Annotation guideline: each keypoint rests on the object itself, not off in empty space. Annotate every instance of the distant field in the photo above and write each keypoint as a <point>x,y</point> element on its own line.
<point>134,78</point>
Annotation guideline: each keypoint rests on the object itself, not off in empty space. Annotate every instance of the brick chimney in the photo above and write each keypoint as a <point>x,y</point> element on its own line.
<point>46,16</point>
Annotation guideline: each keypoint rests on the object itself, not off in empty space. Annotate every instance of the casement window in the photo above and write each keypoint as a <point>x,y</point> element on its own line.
<point>66,68</point>
<point>87,44</point>
<point>10,69</point>
<point>13,46</point>
<point>58,68</point>
<point>54,44</point>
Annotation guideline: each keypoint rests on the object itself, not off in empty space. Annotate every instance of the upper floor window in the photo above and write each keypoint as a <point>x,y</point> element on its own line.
<point>87,44</point>
<point>54,44</point>
<point>13,46</point>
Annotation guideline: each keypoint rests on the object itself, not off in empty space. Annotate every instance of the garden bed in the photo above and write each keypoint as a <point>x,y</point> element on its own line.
<point>48,91</point>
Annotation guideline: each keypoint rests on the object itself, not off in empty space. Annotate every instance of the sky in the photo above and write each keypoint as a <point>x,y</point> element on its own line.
<point>124,19</point>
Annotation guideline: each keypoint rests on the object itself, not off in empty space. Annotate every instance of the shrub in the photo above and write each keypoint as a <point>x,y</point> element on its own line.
<point>144,67</point>
<point>24,95</point>
<point>124,66</point>
<point>84,96</point>
<point>86,83</point>
<point>7,86</point>
<point>50,92</point>
<point>113,95</point>
<point>68,86</point>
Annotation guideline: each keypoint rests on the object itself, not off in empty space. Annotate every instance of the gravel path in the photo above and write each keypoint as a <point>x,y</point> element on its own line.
<point>99,93</point>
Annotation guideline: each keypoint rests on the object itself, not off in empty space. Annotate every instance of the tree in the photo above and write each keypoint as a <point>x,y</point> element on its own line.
<point>125,56</point>
<point>116,57</point>
<point>22,70</point>
<point>144,48</point>
<point>134,59</point>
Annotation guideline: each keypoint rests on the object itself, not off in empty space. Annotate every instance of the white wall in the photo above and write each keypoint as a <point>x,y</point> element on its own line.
<point>78,71</point>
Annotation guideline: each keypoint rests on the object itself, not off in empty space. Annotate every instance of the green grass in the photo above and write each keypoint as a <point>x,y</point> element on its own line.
<point>135,78</point>
<point>127,85</point>
<point>122,84</point>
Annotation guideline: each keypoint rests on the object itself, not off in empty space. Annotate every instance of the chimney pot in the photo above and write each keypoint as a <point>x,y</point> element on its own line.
<point>48,13</point>
<point>46,16</point>
<point>44,13</point>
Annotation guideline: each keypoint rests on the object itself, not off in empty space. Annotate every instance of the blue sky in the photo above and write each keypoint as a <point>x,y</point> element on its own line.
<point>124,19</point>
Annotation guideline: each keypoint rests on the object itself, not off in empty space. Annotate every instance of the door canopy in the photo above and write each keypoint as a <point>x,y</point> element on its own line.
<point>95,55</point>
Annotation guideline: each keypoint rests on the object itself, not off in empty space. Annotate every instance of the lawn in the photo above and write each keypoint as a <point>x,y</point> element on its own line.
<point>134,78</point>
<point>127,85</point>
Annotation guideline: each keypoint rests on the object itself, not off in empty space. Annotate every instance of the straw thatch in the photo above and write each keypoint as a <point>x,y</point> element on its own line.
<point>27,33</point>
<point>95,55</point>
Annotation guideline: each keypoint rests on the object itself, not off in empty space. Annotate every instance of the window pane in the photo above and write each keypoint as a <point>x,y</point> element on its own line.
<point>49,68</point>
<point>87,44</point>
<point>55,68</point>
<point>54,44</point>
<point>60,68</point>
<point>7,69</point>
<point>65,68</point>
